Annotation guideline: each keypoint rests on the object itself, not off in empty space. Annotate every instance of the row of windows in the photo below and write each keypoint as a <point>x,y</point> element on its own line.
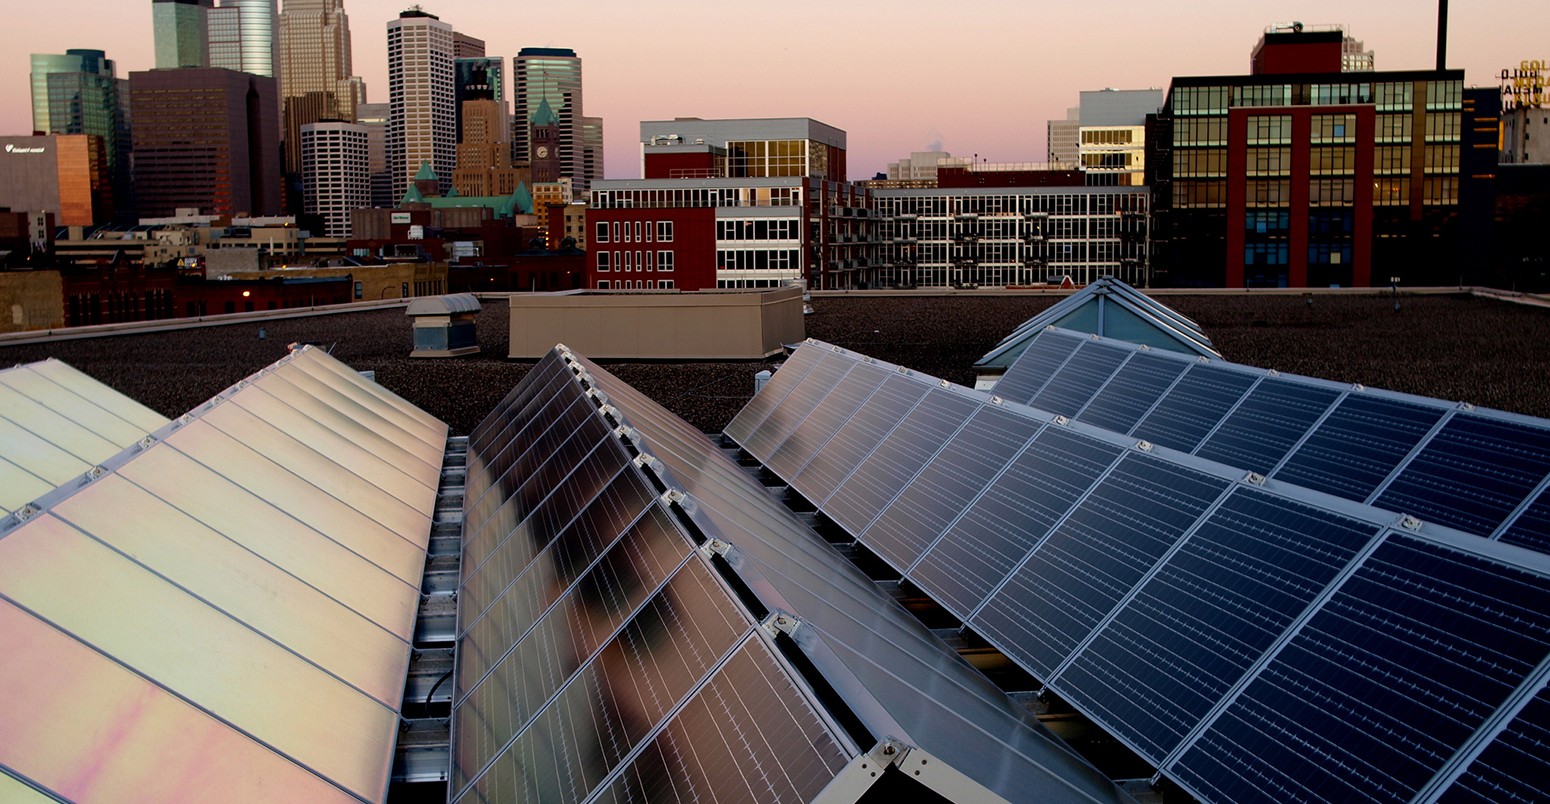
<point>634,261</point>
<point>759,259</point>
<point>1270,129</point>
<point>639,284</point>
<point>1014,204</point>
<point>625,232</point>
<point>698,197</point>
<point>1108,136</point>
<point>752,229</point>
<point>1333,128</point>
<point>1386,95</point>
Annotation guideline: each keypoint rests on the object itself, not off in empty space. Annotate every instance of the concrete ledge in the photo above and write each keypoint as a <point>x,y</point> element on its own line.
<point>171,324</point>
<point>660,325</point>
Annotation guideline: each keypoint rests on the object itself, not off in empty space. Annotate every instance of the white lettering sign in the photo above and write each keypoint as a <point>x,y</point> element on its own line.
<point>22,149</point>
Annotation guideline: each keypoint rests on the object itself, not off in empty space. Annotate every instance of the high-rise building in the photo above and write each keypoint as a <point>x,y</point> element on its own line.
<point>591,150</point>
<point>484,166</point>
<point>482,78</point>
<point>242,36</point>
<point>422,118</point>
<point>374,118</point>
<point>78,93</point>
<point>315,69</point>
<point>205,138</point>
<point>336,176</point>
<point>541,74</point>
<point>59,174</point>
<point>1111,142</point>
<point>1302,174</point>
<point>180,28</point>
<point>1064,138</point>
<point>466,47</point>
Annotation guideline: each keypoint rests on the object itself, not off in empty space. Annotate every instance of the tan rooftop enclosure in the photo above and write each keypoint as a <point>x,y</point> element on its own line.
<point>707,325</point>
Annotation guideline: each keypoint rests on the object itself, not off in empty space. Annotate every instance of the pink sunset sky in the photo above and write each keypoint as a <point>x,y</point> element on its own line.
<point>897,75</point>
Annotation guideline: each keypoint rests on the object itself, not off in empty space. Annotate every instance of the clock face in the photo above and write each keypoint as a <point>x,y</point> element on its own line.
<point>543,152</point>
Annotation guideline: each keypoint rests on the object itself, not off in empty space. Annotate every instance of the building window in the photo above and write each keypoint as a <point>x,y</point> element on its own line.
<point>603,262</point>
<point>664,260</point>
<point>665,284</point>
<point>602,284</point>
<point>1391,192</point>
<point>1330,192</point>
<point>1270,129</point>
<point>602,232</point>
<point>664,231</point>
<point>616,231</point>
<point>1333,128</point>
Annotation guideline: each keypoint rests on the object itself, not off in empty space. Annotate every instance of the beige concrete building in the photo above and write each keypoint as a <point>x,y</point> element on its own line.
<point>661,325</point>
<point>484,166</point>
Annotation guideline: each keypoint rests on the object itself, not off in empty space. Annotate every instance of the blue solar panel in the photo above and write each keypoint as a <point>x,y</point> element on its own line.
<point>1361,442</point>
<point>1074,385</point>
<point>845,398</point>
<point>947,485</point>
<point>1038,487</point>
<point>1472,474</point>
<point>1195,405</point>
<point>1038,363</point>
<point>792,410</point>
<point>1269,422</point>
<point>1531,528</point>
<point>1515,766</point>
<point>781,383</point>
<point>1077,575</point>
<point>1133,391</point>
<point>1383,685</point>
<point>1211,611</point>
<point>842,453</point>
<point>900,456</point>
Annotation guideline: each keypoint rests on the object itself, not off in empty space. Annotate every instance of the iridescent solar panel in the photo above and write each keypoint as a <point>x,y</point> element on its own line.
<point>229,602</point>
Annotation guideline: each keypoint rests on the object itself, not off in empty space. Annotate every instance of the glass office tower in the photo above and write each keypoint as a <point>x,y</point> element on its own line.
<point>181,33</point>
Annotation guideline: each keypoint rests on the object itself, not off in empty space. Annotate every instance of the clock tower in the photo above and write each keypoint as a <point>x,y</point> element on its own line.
<point>545,141</point>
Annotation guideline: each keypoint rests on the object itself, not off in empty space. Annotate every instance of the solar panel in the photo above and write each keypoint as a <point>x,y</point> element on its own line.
<point>1193,407</point>
<point>1407,659</point>
<point>857,437</point>
<point>231,599</point>
<point>1133,390</point>
<point>1468,469</point>
<point>804,443</point>
<point>1074,385</point>
<point>56,424</point>
<point>1269,422</point>
<point>1207,613</point>
<point>1472,474</point>
<point>944,488</point>
<point>1044,356</point>
<point>1019,508</point>
<point>612,659</point>
<point>1217,622</point>
<point>1071,582</point>
<point>1515,764</point>
<point>781,383</point>
<point>1358,445</point>
<point>785,417</point>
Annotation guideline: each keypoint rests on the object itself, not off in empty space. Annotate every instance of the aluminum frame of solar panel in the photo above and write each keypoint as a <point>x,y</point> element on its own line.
<point>857,437</point>
<point>815,384</point>
<point>782,382</point>
<point>863,381</point>
<point>1268,423</point>
<point>1511,764</point>
<point>1075,384</point>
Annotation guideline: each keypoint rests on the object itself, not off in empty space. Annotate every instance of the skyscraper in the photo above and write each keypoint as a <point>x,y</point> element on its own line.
<point>422,119</point>
<point>374,118</point>
<point>205,138</point>
<point>335,177</point>
<point>180,31</point>
<point>482,78</point>
<point>242,36</point>
<point>550,74</point>
<point>315,70</point>
<point>77,93</point>
<point>466,47</point>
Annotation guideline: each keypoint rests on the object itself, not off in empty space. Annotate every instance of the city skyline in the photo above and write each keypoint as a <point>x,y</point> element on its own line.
<point>896,78</point>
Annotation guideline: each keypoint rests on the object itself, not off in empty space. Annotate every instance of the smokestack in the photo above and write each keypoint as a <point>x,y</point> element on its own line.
<point>1442,34</point>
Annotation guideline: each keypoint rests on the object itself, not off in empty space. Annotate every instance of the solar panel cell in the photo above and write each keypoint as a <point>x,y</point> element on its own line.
<point>1015,513</point>
<point>841,454</point>
<point>1472,474</point>
<point>1514,767</point>
<point>1200,399</point>
<point>1133,391</point>
<point>1074,385</point>
<point>1358,445</point>
<point>1039,362</point>
<point>1269,422</point>
<point>821,423</point>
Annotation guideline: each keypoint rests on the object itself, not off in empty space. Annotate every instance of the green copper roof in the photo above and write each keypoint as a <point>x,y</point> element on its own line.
<point>425,173</point>
<point>453,193</point>
<point>545,115</point>
<point>522,199</point>
<point>412,196</point>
